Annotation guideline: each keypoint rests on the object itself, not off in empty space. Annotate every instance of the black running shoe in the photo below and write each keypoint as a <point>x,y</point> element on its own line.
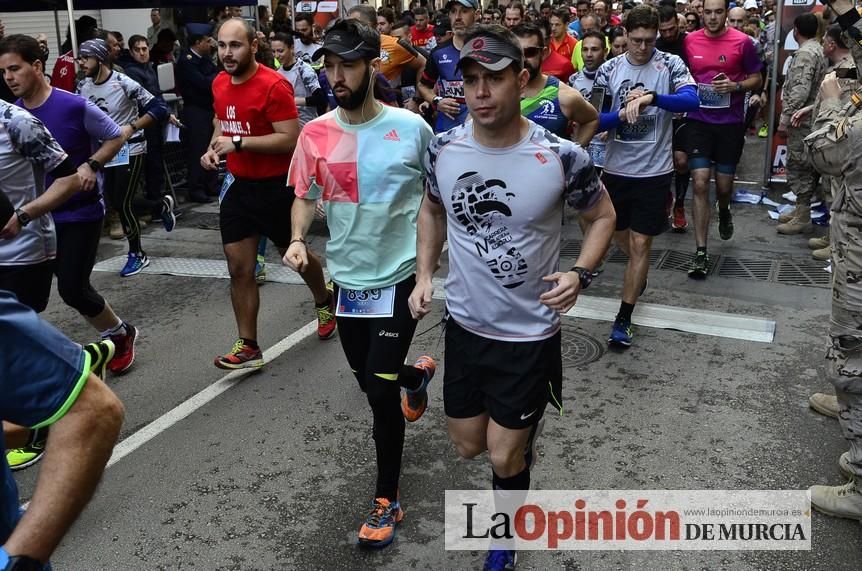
<point>725,223</point>
<point>699,266</point>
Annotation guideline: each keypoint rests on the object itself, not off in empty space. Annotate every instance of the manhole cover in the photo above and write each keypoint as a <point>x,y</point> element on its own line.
<point>579,348</point>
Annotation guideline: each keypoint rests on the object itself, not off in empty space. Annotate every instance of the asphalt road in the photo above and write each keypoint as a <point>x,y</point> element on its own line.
<point>277,472</point>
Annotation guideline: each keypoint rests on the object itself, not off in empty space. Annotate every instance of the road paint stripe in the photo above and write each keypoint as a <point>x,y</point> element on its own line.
<point>186,408</point>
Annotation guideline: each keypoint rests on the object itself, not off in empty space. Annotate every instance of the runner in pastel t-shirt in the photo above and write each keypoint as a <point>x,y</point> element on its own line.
<point>363,160</point>
<point>725,65</point>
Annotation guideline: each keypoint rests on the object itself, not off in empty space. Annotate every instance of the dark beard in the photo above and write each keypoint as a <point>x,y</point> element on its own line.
<point>356,98</point>
<point>533,71</point>
<point>241,68</point>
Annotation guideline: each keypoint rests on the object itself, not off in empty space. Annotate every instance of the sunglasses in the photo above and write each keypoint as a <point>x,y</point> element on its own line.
<point>532,52</point>
<point>642,41</point>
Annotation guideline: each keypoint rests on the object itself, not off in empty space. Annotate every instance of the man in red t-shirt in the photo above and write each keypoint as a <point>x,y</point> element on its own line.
<point>421,32</point>
<point>561,42</point>
<point>256,129</point>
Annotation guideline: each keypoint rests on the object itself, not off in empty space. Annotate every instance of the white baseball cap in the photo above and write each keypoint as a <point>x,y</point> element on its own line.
<point>750,5</point>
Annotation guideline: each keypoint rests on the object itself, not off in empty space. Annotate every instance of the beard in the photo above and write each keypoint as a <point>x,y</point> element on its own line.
<point>354,99</point>
<point>241,67</point>
<point>532,70</point>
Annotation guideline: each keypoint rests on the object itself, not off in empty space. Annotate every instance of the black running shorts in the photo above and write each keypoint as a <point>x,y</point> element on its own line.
<point>257,208</point>
<point>641,203</point>
<point>680,135</point>
<point>31,284</point>
<point>719,144</point>
<point>512,382</point>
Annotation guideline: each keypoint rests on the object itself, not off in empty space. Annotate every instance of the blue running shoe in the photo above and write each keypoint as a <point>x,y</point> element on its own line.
<point>169,217</point>
<point>622,333</point>
<point>500,560</point>
<point>135,264</point>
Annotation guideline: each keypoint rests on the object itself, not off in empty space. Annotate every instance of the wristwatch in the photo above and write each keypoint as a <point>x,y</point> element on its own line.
<point>237,142</point>
<point>654,97</point>
<point>738,86</point>
<point>585,275</point>
<point>23,217</point>
<point>436,101</point>
<point>95,165</point>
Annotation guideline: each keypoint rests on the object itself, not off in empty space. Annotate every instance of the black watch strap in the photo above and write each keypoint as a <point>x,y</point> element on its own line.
<point>585,275</point>
<point>23,563</point>
<point>94,165</point>
<point>23,217</point>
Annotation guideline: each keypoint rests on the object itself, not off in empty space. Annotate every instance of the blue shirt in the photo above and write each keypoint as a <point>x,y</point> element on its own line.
<point>41,375</point>
<point>440,71</point>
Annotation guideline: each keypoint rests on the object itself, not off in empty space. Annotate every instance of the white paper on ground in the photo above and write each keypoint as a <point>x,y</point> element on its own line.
<point>741,196</point>
<point>828,268</point>
<point>816,215</point>
<point>789,195</point>
<point>773,214</point>
<point>785,208</point>
<point>769,202</point>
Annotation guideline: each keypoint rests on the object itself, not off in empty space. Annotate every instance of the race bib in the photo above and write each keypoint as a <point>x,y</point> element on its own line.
<point>121,158</point>
<point>641,132</point>
<point>225,185</point>
<point>366,303</point>
<point>710,98</point>
<point>453,89</point>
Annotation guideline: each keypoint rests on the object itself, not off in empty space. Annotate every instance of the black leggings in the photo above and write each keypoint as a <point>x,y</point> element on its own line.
<point>121,184</point>
<point>375,349</point>
<point>77,244</point>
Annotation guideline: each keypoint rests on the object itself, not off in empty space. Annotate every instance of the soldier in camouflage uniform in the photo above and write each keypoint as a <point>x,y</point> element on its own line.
<point>832,151</point>
<point>800,89</point>
<point>836,51</point>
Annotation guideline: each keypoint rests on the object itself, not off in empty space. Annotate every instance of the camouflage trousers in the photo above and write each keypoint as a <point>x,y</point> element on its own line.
<point>801,176</point>
<point>844,356</point>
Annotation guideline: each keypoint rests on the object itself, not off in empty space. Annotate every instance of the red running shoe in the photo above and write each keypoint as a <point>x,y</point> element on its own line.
<point>242,356</point>
<point>326,318</point>
<point>124,355</point>
<point>679,223</point>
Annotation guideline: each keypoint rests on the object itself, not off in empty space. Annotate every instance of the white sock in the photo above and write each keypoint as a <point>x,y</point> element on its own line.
<point>118,329</point>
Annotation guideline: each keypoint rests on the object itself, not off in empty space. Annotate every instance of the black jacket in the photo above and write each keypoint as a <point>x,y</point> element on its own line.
<point>195,75</point>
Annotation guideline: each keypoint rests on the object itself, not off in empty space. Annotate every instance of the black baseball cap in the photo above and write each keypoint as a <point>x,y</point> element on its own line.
<point>347,45</point>
<point>490,52</point>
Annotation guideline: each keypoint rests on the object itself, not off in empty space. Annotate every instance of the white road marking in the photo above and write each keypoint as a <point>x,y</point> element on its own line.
<point>189,406</point>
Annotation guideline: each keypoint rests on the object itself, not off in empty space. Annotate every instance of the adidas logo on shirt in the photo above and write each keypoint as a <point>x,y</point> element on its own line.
<point>391,136</point>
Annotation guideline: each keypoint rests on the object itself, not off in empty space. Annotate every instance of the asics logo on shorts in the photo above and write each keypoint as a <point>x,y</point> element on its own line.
<point>391,334</point>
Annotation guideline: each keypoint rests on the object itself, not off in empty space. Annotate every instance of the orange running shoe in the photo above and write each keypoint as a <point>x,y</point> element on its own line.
<point>414,403</point>
<point>379,528</point>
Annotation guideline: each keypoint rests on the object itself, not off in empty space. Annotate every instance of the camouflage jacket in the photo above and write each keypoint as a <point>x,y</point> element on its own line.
<point>803,80</point>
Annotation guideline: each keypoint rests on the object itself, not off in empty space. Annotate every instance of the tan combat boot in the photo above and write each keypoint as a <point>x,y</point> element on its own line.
<point>115,229</point>
<point>827,405</point>
<point>823,254</point>
<point>799,224</point>
<point>787,216</point>
<point>838,501</point>
<point>819,243</point>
